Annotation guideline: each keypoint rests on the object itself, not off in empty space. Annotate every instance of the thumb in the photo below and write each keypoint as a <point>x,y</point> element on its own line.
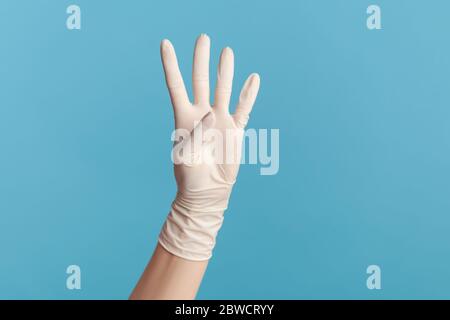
<point>201,126</point>
<point>193,145</point>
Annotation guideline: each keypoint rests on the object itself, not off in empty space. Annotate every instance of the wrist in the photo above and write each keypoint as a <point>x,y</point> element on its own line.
<point>191,227</point>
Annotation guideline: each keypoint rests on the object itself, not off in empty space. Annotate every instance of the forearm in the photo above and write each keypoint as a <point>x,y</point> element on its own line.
<point>168,277</point>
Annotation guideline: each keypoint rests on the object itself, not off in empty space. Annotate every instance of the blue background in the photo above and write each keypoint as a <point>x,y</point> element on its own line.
<point>85,124</point>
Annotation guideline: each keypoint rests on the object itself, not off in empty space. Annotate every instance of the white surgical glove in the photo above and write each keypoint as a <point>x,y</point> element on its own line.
<point>205,168</point>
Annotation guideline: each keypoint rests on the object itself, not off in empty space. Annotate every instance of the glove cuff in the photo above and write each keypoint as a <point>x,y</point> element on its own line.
<point>190,231</point>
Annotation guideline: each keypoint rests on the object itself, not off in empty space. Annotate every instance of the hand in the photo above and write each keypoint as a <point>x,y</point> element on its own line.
<point>204,187</point>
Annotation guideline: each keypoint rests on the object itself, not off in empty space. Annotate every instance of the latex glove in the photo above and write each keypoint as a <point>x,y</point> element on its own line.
<point>204,187</point>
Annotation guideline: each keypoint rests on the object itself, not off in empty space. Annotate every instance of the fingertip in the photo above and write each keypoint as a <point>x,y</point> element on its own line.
<point>251,84</point>
<point>164,43</point>
<point>203,38</point>
<point>227,52</point>
<point>166,46</point>
<point>226,63</point>
<point>255,81</point>
<point>255,78</point>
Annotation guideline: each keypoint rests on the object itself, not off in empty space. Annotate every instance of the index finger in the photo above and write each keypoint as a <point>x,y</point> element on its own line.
<point>174,80</point>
